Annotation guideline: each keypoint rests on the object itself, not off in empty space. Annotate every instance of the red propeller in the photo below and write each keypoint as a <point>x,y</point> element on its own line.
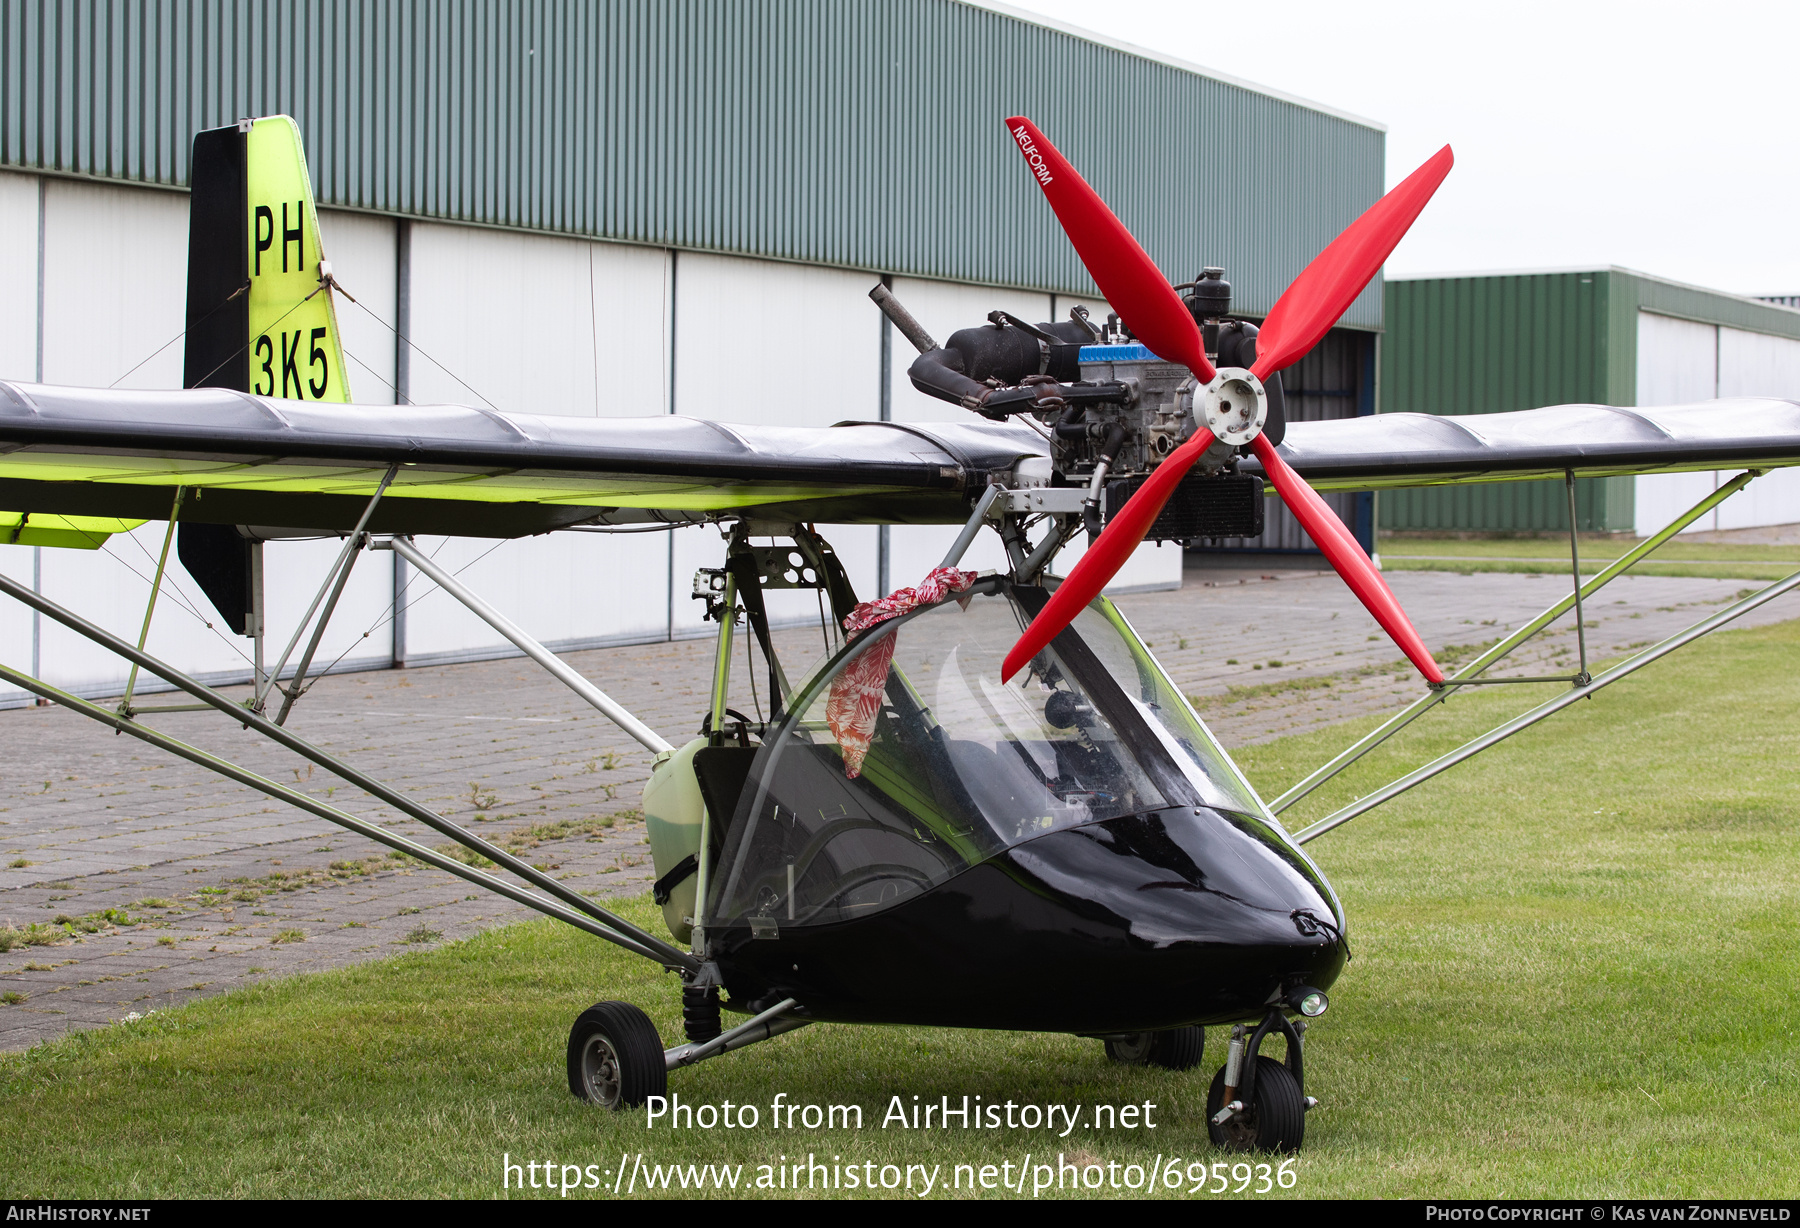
<point>1134,285</point>
<point>1124,272</point>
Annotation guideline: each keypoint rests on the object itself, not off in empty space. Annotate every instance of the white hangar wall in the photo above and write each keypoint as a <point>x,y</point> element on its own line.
<point>18,359</point>
<point>109,267</point>
<point>1680,361</point>
<point>364,253</point>
<point>531,324</point>
<point>528,323</point>
<point>774,344</point>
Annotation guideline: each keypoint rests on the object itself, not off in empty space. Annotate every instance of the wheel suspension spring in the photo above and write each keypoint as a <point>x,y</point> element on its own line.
<point>700,1012</point>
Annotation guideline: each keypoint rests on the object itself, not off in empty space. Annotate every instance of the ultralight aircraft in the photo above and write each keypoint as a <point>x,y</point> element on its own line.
<point>989,806</point>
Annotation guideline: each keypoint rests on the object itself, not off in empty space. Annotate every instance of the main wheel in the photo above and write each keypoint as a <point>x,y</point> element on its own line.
<point>1179,1048</point>
<point>1172,1049</point>
<point>1132,1049</point>
<point>616,1057</point>
<point>1274,1121</point>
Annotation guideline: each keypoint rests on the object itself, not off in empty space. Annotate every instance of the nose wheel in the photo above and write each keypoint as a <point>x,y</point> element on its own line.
<point>1257,1103</point>
<point>1273,1119</point>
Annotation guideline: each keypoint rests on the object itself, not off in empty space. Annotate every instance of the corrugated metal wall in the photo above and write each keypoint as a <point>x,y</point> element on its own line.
<point>1335,379</point>
<point>1482,345</point>
<point>1486,344</point>
<point>1639,292</point>
<point>858,133</point>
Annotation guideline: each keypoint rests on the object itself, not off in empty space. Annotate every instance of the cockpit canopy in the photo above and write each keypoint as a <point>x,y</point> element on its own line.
<point>959,766</point>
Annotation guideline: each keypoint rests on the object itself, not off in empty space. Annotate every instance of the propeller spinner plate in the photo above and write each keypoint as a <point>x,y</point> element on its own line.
<point>1234,406</point>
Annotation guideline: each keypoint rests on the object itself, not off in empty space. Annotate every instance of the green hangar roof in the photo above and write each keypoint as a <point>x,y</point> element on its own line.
<point>863,134</point>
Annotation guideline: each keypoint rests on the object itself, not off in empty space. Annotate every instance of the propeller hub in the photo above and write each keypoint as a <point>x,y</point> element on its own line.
<point>1234,406</point>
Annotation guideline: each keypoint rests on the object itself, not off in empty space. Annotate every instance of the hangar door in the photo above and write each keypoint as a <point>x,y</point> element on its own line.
<point>1336,379</point>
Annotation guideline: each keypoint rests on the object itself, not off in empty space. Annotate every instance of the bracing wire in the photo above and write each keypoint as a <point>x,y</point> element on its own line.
<point>180,598</point>
<point>381,379</point>
<point>415,348</point>
<point>184,332</point>
<point>201,382</point>
<point>394,607</point>
<point>170,587</point>
<point>153,353</point>
<point>400,602</point>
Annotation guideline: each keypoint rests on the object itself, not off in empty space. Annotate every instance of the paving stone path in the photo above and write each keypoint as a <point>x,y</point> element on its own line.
<point>180,884</point>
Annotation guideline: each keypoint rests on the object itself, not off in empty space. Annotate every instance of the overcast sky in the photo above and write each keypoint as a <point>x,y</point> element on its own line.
<point>1660,137</point>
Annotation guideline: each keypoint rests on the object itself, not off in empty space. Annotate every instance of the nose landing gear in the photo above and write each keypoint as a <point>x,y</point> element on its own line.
<point>1257,1103</point>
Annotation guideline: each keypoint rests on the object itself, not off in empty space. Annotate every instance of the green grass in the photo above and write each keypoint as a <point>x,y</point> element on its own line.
<point>1551,556</point>
<point>1467,567</point>
<point>1575,976</point>
<point>36,934</point>
<point>1263,690</point>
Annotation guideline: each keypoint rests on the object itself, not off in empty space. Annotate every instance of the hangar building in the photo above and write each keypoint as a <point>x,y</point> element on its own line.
<point>617,207</point>
<point>1486,343</point>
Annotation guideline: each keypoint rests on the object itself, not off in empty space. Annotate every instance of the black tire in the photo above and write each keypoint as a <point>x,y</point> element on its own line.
<point>1179,1048</point>
<point>1274,1121</point>
<point>1132,1049</point>
<point>1172,1049</point>
<point>616,1057</point>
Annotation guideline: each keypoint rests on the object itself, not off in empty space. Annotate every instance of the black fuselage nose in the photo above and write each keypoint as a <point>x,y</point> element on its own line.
<point>1177,916</point>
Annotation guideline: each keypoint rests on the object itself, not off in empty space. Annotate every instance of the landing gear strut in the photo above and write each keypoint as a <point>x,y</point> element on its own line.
<point>1257,1103</point>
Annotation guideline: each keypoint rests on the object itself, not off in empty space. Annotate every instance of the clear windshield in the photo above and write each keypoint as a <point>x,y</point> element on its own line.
<point>959,765</point>
<point>1170,717</point>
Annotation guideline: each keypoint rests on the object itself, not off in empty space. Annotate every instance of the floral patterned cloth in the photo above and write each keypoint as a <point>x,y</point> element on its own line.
<point>855,698</point>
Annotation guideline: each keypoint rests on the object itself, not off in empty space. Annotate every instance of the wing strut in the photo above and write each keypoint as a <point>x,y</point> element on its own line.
<point>1494,655</point>
<point>335,579</point>
<point>1605,678</point>
<point>665,954</point>
<point>294,797</point>
<point>607,705</point>
<point>162,566</point>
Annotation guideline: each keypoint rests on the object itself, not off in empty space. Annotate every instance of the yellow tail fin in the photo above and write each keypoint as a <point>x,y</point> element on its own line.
<point>260,316</point>
<point>294,349</point>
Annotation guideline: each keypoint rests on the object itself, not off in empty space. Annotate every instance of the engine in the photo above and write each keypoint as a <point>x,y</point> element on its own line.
<point>1111,409</point>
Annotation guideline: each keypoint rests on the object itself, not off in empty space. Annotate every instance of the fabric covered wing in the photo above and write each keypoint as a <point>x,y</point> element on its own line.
<point>1593,440</point>
<point>256,460</point>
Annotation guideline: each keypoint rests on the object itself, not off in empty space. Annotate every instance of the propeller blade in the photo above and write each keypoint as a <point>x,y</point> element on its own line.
<point>1127,276</point>
<point>1346,555</point>
<point>1108,553</point>
<point>1326,287</point>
